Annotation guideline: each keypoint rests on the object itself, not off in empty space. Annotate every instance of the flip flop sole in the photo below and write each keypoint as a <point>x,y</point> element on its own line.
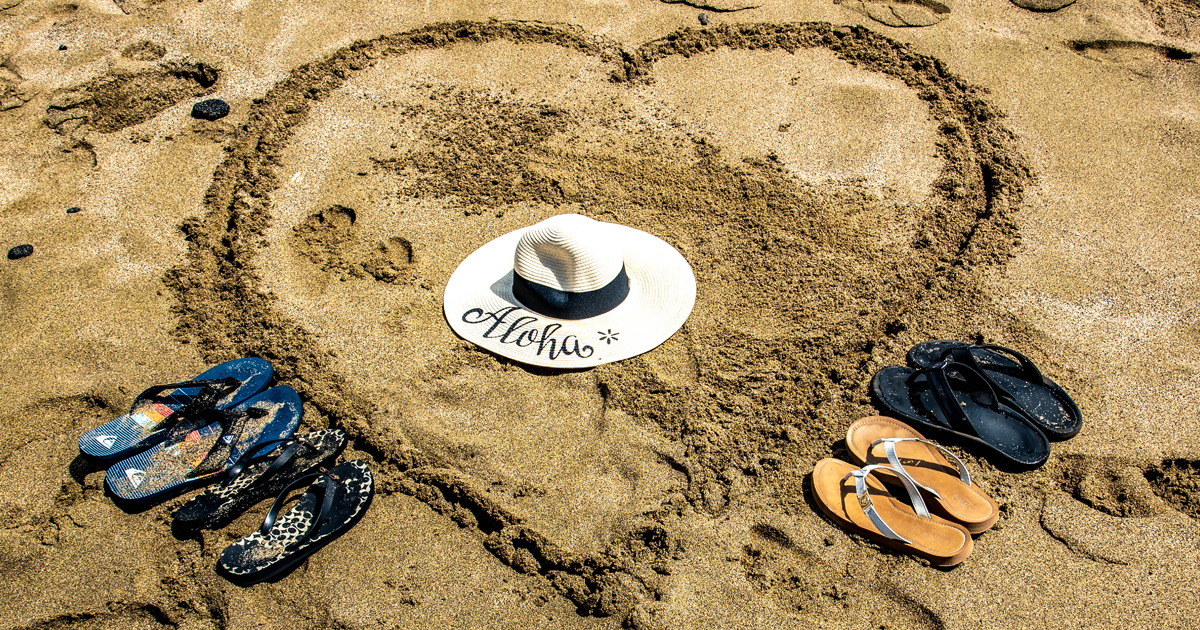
<point>967,505</point>
<point>937,540</point>
<point>162,471</point>
<point>1049,405</point>
<point>135,430</point>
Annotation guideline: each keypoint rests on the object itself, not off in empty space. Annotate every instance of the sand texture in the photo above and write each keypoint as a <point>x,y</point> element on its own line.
<point>846,178</point>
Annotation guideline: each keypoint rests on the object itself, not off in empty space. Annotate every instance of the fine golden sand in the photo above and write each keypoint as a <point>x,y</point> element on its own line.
<point>847,179</point>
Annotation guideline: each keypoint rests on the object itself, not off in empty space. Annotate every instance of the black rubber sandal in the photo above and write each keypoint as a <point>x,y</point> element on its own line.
<point>1043,400</point>
<point>955,400</point>
<point>262,472</point>
<point>336,500</point>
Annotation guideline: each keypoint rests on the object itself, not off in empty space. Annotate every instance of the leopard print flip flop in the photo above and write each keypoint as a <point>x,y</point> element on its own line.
<point>261,473</point>
<point>332,504</point>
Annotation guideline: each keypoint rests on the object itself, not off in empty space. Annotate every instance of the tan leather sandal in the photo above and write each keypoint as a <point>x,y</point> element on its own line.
<point>853,499</point>
<point>883,440</point>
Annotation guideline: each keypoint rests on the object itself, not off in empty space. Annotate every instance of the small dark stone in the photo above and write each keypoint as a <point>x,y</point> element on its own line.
<point>703,19</point>
<point>20,251</point>
<point>212,109</point>
<point>62,46</point>
<point>74,209</point>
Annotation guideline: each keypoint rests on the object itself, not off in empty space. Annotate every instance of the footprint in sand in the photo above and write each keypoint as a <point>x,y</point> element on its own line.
<point>900,13</point>
<point>1114,487</point>
<point>1118,511</point>
<point>1178,483</point>
<point>1119,51</point>
<point>1165,538</point>
<point>329,240</point>
<point>116,101</point>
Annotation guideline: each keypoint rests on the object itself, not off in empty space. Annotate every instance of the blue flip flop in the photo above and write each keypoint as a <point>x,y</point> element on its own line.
<point>161,407</point>
<point>204,445</point>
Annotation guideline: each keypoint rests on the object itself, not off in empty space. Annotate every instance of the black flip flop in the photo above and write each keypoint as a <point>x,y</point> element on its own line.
<point>335,501</point>
<point>1012,373</point>
<point>954,399</point>
<point>262,472</point>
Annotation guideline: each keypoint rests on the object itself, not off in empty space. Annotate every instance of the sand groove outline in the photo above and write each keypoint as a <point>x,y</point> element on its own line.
<point>983,175</point>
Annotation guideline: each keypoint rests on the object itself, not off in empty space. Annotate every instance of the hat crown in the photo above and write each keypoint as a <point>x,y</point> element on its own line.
<point>569,252</point>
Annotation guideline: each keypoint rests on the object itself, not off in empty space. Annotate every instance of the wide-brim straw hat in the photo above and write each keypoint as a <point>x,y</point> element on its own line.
<point>571,292</point>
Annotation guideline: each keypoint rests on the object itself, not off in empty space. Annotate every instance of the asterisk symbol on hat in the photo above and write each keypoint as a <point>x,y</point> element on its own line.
<point>608,337</point>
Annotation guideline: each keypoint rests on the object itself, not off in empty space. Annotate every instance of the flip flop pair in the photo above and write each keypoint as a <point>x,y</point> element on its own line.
<point>986,396</point>
<point>334,500</point>
<point>181,435</point>
<point>944,507</point>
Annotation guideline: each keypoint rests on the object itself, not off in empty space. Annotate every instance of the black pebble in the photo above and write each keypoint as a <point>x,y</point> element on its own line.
<point>20,251</point>
<point>62,46</point>
<point>703,19</point>
<point>211,109</point>
<point>74,209</point>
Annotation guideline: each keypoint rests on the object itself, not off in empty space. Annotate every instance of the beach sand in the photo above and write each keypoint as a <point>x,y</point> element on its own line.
<point>847,179</point>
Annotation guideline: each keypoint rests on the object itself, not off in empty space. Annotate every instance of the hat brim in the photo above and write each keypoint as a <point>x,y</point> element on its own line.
<point>480,307</point>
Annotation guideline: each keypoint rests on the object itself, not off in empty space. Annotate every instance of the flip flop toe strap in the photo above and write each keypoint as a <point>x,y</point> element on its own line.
<point>963,354</point>
<point>981,389</point>
<point>213,391</point>
<point>289,447</point>
<point>868,506</point>
<point>889,449</point>
<point>327,490</point>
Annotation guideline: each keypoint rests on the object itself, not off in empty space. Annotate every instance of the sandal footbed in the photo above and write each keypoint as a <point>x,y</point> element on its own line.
<point>938,540</point>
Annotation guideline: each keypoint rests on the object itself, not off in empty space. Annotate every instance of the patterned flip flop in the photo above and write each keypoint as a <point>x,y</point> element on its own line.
<point>334,503</point>
<point>200,448</point>
<point>262,472</point>
<point>161,407</point>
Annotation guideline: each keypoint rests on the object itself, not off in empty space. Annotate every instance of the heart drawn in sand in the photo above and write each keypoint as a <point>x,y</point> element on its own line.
<point>359,182</point>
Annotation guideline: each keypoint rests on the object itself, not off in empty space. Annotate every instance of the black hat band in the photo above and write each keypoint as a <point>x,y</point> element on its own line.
<point>560,304</point>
